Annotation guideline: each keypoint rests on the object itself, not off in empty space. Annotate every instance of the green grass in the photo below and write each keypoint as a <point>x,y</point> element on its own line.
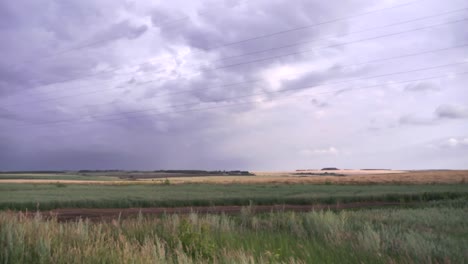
<point>50,196</point>
<point>430,234</point>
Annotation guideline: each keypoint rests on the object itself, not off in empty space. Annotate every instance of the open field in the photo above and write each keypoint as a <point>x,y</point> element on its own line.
<point>355,177</point>
<point>351,177</point>
<point>416,217</point>
<point>51,196</point>
<point>430,234</point>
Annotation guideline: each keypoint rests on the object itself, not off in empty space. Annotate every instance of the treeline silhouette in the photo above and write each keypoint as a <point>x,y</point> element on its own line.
<point>198,172</point>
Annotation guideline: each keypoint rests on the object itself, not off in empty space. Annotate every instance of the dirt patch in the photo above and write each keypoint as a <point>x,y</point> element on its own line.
<point>113,213</point>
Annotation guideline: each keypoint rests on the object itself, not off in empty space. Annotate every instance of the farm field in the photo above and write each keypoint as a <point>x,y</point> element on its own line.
<point>283,217</point>
<point>51,196</point>
<point>434,233</point>
<point>306,177</point>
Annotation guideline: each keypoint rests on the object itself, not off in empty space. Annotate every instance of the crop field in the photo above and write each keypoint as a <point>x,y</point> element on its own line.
<point>314,177</point>
<point>51,196</point>
<point>284,217</point>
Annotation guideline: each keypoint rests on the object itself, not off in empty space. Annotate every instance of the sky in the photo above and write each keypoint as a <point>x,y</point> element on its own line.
<point>233,84</point>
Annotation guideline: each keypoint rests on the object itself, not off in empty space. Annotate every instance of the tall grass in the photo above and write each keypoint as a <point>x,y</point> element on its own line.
<point>419,235</point>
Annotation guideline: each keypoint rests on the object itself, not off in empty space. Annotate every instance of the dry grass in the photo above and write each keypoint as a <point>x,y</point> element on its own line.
<point>413,177</point>
<point>352,177</point>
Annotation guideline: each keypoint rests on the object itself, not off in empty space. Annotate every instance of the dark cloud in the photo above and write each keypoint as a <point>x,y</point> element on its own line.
<point>414,120</point>
<point>119,30</point>
<point>5,114</point>
<point>445,111</point>
<point>319,104</point>
<point>452,111</point>
<point>421,87</point>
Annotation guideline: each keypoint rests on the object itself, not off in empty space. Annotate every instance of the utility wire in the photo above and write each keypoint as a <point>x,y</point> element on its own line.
<point>312,25</point>
<point>338,45</point>
<point>250,102</point>
<point>342,35</point>
<point>279,32</point>
<point>260,80</point>
<point>255,94</point>
<point>306,42</point>
<point>271,57</point>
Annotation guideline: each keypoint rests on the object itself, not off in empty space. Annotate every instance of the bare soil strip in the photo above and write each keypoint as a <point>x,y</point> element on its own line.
<point>70,214</point>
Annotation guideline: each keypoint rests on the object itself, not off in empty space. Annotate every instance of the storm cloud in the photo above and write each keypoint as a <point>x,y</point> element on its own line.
<point>257,85</point>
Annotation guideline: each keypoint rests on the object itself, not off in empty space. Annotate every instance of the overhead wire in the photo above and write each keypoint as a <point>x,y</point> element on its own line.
<point>251,95</point>
<point>237,104</point>
<point>265,59</point>
<point>306,26</point>
<point>260,80</point>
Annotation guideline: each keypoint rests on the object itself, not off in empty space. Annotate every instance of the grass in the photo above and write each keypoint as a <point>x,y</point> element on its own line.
<point>57,195</point>
<point>431,234</point>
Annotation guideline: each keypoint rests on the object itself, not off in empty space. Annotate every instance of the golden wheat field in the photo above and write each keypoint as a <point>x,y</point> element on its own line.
<point>345,177</point>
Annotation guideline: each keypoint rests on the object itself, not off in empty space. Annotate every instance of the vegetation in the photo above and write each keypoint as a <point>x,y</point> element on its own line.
<point>318,174</point>
<point>116,173</point>
<point>330,168</point>
<point>205,172</point>
<point>433,234</point>
<point>50,196</point>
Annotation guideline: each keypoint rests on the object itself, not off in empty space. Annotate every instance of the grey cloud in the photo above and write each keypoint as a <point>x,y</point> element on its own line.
<point>216,27</point>
<point>167,18</point>
<point>123,29</point>
<point>64,159</point>
<point>414,120</point>
<point>421,87</point>
<point>450,111</point>
<point>5,114</point>
<point>445,111</point>
<point>53,44</point>
<point>319,103</point>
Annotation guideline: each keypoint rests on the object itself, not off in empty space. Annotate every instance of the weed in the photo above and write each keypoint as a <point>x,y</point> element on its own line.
<point>433,234</point>
<point>167,182</point>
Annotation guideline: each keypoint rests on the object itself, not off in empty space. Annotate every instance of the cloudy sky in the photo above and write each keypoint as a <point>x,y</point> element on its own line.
<point>233,84</point>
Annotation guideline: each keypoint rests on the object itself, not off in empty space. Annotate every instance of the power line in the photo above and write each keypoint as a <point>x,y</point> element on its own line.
<point>349,33</point>
<point>250,102</point>
<point>338,45</point>
<point>312,25</point>
<point>275,57</point>
<point>256,94</point>
<point>260,80</point>
<point>164,25</point>
<point>290,30</point>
